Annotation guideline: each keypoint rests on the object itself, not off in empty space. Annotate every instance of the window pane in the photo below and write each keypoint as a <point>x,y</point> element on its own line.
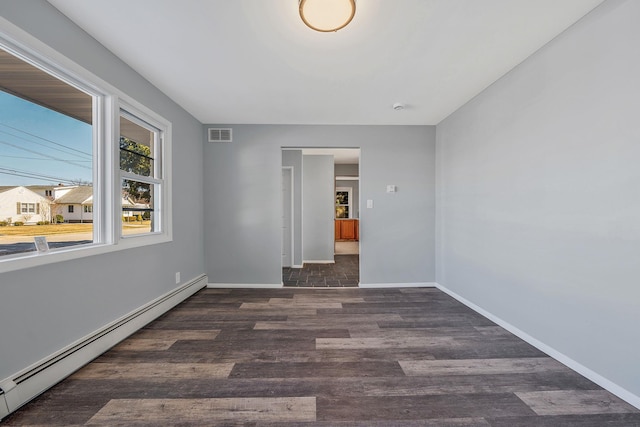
<point>342,197</point>
<point>138,215</point>
<point>46,158</point>
<point>136,148</point>
<point>139,160</point>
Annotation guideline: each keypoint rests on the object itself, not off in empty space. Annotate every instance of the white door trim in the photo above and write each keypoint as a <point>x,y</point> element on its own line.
<point>291,216</point>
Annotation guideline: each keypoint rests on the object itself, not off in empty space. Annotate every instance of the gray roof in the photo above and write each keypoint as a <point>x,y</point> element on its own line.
<point>75,196</point>
<point>41,187</point>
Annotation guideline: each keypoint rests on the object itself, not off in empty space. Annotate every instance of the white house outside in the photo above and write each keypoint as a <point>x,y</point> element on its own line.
<point>43,190</point>
<point>42,203</point>
<point>74,203</point>
<point>20,204</point>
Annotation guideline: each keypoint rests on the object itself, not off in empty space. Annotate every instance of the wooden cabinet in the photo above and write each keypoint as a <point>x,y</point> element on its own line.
<point>347,229</point>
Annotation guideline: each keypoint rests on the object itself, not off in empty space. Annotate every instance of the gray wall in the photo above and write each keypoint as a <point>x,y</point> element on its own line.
<point>294,158</point>
<point>538,195</point>
<point>242,204</point>
<point>45,308</point>
<point>317,208</point>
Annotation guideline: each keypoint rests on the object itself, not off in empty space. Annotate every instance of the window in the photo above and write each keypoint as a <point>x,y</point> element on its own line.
<point>26,208</point>
<point>343,202</point>
<point>141,174</point>
<point>58,151</point>
<point>46,142</point>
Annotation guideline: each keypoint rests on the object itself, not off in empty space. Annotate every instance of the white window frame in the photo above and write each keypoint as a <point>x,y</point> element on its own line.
<point>107,102</point>
<point>157,178</point>
<point>24,208</point>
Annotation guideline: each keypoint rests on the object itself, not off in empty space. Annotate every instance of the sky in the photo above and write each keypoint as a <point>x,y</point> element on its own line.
<point>39,146</point>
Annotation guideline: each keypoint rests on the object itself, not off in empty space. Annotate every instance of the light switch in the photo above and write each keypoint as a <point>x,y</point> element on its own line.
<point>369,204</point>
<point>391,188</point>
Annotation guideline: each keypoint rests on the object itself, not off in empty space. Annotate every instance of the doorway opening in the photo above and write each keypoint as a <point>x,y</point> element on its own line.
<point>321,235</point>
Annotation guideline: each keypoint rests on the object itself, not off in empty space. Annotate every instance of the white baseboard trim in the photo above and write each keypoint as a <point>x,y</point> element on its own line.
<point>398,285</point>
<point>23,386</point>
<point>319,261</point>
<point>245,285</point>
<point>603,382</point>
<point>4,409</point>
<point>297,266</point>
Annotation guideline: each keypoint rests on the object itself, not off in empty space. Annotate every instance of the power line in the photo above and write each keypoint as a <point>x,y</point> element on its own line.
<point>44,139</point>
<point>42,145</point>
<point>36,158</point>
<point>44,155</point>
<point>33,175</point>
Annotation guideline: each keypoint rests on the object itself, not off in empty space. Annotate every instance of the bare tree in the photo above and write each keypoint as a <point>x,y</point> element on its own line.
<point>45,210</point>
<point>82,182</point>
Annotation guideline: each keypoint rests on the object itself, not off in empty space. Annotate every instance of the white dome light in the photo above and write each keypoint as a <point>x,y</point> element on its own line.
<point>327,15</point>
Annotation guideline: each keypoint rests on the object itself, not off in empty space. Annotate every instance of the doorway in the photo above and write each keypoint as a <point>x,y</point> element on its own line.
<point>325,241</point>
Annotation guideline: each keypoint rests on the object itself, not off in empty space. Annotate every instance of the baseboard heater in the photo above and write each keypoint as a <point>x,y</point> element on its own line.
<point>32,381</point>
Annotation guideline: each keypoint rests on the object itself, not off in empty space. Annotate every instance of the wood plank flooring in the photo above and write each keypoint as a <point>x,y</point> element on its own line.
<point>325,357</point>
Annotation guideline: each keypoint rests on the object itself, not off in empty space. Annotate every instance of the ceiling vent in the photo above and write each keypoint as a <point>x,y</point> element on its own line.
<point>219,135</point>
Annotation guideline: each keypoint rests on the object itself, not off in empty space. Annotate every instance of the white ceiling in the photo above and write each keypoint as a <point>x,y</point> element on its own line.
<point>254,61</point>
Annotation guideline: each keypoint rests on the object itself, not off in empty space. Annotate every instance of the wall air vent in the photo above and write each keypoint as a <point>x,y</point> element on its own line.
<point>219,135</point>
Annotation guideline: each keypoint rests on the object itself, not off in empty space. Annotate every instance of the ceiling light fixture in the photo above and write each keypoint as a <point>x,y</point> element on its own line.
<point>327,15</point>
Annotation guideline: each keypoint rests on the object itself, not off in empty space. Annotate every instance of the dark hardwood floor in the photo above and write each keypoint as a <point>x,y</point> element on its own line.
<point>326,357</point>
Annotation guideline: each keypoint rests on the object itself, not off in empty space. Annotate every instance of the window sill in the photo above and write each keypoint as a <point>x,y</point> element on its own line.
<point>35,259</point>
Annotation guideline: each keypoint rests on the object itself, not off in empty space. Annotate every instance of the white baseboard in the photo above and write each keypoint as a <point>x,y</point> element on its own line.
<point>245,285</point>
<point>603,382</point>
<point>4,409</point>
<point>23,386</point>
<point>319,261</point>
<point>297,266</point>
<point>398,285</point>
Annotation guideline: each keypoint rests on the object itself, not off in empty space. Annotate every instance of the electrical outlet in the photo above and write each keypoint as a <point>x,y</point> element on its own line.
<point>177,277</point>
